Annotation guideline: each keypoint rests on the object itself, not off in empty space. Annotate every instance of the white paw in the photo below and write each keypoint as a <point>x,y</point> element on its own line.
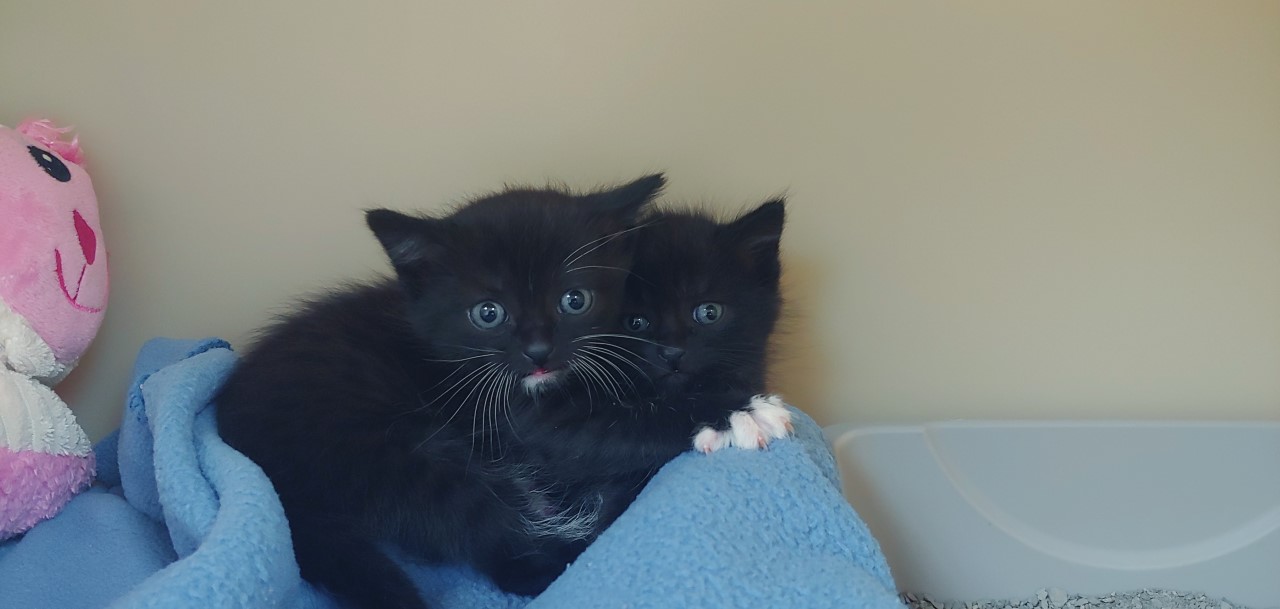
<point>763,420</point>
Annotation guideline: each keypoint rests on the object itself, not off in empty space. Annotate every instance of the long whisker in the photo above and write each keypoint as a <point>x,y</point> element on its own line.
<point>473,374</point>
<point>467,348</point>
<point>573,367</point>
<point>597,266</point>
<point>596,244</point>
<point>601,352</point>
<point>461,359</point>
<point>488,399</point>
<point>475,412</point>
<point>590,336</point>
<point>588,377</point>
<point>508,379</point>
<point>447,392</point>
<point>621,374</point>
<point>613,349</point>
<point>616,388</point>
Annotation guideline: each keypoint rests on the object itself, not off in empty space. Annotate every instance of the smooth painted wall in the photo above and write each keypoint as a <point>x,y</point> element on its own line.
<point>997,209</point>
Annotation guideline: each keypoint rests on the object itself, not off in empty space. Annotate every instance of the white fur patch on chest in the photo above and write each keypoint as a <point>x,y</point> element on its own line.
<point>546,517</point>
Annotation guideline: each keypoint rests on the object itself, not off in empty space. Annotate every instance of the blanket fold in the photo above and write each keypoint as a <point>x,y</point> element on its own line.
<point>180,519</point>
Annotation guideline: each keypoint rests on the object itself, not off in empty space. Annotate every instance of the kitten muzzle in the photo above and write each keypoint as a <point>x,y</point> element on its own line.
<point>540,379</point>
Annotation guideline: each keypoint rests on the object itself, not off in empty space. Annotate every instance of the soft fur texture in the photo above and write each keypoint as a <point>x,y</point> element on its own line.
<point>643,405</point>
<point>687,259</point>
<point>197,526</point>
<point>406,401</point>
<point>53,294</point>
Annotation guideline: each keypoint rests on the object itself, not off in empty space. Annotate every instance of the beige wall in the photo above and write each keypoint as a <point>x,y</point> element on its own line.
<point>998,209</point>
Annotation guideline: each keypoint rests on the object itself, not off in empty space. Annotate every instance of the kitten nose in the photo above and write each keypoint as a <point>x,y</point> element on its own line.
<point>538,352</point>
<point>671,354</point>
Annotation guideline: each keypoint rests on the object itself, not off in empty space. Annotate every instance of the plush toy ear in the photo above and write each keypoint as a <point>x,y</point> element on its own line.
<point>756,236</point>
<point>410,242</point>
<point>629,199</point>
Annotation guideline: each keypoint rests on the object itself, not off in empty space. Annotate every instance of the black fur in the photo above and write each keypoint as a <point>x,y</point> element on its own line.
<point>686,259</point>
<point>384,413</point>
<point>640,409</point>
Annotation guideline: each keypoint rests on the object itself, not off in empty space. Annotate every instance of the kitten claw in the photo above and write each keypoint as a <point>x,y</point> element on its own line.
<point>709,440</point>
<point>764,419</point>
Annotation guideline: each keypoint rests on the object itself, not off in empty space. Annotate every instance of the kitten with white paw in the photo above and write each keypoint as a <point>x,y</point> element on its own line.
<point>704,299</point>
<point>687,367</point>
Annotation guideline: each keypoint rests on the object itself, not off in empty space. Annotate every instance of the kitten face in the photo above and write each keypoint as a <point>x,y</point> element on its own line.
<point>704,295</point>
<point>509,285</point>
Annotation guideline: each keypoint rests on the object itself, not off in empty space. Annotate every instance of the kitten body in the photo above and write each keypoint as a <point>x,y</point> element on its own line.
<point>385,412</point>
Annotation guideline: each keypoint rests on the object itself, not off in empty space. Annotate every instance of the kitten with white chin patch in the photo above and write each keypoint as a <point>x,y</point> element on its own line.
<point>388,412</point>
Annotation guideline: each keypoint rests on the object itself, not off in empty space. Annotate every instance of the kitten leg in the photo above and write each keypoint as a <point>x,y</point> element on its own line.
<point>526,575</point>
<point>353,568</point>
<point>763,420</point>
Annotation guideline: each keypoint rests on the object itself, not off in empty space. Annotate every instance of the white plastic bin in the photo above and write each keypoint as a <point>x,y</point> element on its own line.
<point>996,510</point>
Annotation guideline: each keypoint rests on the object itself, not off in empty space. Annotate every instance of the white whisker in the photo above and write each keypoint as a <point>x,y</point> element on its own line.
<point>475,412</point>
<point>590,336</point>
<point>601,361</point>
<point>597,266</point>
<point>596,244</point>
<point>609,349</point>
<point>461,359</point>
<point>599,355</point>
<point>473,374</point>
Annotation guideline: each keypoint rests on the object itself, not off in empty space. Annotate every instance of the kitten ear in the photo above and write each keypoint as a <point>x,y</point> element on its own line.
<point>756,236</point>
<point>762,226</point>
<point>627,200</point>
<point>406,239</point>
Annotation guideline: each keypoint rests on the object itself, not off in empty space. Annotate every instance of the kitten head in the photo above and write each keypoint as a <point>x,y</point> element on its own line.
<point>507,285</point>
<point>703,297</point>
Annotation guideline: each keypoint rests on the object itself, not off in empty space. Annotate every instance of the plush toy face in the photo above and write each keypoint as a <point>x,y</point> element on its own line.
<point>53,263</point>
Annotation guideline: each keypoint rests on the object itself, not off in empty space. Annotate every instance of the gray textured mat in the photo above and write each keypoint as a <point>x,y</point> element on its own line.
<point>1054,598</point>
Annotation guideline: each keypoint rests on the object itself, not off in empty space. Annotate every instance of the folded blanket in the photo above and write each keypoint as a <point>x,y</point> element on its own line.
<point>179,519</point>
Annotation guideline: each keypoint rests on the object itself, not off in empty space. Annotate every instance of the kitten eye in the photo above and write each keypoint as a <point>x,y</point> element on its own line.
<point>487,315</point>
<point>708,313</point>
<point>576,301</point>
<point>636,324</point>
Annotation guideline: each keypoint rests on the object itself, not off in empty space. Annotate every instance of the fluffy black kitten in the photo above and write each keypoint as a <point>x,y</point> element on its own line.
<point>389,412</point>
<point>705,297</point>
<point>685,368</point>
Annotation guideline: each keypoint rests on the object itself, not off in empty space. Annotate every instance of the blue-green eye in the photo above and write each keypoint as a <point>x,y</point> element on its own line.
<point>708,313</point>
<point>636,324</point>
<point>576,301</point>
<point>487,315</point>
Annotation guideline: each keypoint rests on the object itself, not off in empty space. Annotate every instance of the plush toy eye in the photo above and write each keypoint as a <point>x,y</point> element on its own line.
<point>576,301</point>
<point>51,164</point>
<point>708,313</point>
<point>636,324</point>
<point>487,315</point>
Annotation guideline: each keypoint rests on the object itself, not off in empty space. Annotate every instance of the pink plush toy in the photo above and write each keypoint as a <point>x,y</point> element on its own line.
<point>53,294</point>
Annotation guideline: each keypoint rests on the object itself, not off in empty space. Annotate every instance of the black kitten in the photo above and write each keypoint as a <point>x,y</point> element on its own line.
<point>706,296</point>
<point>687,367</point>
<point>383,413</point>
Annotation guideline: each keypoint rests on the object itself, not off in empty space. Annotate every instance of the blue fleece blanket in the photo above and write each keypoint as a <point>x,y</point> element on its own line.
<point>179,519</point>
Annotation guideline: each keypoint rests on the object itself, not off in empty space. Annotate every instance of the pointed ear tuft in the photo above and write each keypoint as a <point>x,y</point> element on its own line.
<point>762,226</point>
<point>756,236</point>
<point>406,239</point>
<point>630,198</point>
